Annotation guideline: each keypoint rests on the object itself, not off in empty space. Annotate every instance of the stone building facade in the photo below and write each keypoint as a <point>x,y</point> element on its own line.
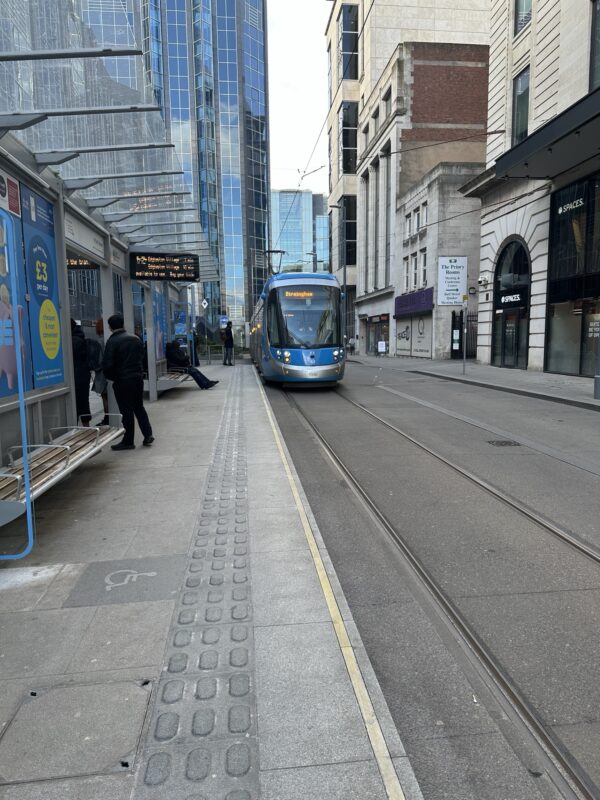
<point>539,302</point>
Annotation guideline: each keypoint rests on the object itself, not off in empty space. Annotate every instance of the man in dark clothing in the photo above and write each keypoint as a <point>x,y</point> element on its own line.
<point>82,373</point>
<point>122,364</point>
<point>178,360</point>
<point>228,342</point>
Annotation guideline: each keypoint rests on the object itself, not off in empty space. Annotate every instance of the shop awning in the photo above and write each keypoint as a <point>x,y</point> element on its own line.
<point>413,303</point>
<point>565,143</point>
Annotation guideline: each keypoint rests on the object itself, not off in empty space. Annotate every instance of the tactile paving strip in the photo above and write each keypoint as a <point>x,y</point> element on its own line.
<point>201,742</point>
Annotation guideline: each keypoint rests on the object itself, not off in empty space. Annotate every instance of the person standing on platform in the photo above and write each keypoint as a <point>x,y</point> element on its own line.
<point>228,342</point>
<point>123,364</point>
<point>82,374</point>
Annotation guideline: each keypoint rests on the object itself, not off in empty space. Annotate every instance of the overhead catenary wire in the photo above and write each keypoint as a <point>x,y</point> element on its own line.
<point>323,126</point>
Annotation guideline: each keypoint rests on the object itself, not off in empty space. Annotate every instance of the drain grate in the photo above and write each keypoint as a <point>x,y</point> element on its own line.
<point>504,443</point>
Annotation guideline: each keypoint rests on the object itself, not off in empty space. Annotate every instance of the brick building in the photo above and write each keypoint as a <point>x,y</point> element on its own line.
<point>421,129</point>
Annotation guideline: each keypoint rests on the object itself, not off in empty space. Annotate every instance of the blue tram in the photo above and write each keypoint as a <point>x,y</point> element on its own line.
<point>296,329</point>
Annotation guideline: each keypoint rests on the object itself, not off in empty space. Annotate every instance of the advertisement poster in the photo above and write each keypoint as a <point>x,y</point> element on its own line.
<point>8,307</point>
<point>159,310</point>
<point>42,280</point>
<point>421,336</point>
<point>452,280</point>
<point>403,336</point>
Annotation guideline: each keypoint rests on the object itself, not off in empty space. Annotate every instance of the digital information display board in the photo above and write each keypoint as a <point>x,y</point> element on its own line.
<point>164,267</point>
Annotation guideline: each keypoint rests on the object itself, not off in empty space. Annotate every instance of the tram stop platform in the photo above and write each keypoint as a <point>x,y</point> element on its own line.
<point>179,632</point>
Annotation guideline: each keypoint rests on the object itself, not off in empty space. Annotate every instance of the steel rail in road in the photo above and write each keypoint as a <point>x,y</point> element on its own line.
<point>565,772</point>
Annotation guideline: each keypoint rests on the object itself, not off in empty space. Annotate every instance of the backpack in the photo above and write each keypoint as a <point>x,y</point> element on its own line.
<point>95,352</point>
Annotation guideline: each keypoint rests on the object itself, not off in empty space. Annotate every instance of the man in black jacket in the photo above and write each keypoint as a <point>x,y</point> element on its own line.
<point>178,360</point>
<point>228,342</point>
<point>123,364</point>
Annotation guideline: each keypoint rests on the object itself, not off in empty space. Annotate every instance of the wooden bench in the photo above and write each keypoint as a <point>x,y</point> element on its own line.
<point>168,380</point>
<point>68,448</point>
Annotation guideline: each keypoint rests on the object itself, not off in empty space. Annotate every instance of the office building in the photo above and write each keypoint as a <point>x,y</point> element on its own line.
<point>539,301</point>
<point>386,67</point>
<point>300,229</point>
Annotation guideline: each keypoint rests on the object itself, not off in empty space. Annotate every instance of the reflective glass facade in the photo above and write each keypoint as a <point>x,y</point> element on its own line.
<point>300,227</point>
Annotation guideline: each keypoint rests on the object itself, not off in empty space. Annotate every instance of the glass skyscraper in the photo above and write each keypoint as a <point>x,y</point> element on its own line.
<point>300,227</point>
<point>204,65</point>
<point>215,100</point>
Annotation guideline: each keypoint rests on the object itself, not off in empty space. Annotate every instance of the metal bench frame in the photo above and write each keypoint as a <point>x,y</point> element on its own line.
<point>69,447</point>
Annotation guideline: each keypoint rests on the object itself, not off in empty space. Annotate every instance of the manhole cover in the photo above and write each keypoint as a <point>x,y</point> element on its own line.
<point>505,443</point>
<point>70,731</point>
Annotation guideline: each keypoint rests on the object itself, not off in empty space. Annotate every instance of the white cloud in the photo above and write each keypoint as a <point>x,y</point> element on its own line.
<point>298,91</point>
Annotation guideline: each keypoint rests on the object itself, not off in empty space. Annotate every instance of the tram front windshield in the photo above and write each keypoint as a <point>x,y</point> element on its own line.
<point>301,316</point>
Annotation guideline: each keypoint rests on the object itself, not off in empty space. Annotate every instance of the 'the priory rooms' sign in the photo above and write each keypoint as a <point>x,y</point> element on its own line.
<point>164,267</point>
<point>452,280</point>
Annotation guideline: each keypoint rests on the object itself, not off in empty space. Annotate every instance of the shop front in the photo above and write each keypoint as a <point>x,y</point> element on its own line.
<point>414,326</point>
<point>378,334</point>
<point>511,306</point>
<point>573,323</point>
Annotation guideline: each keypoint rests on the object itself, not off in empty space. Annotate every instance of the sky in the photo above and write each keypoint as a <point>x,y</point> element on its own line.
<point>298,92</point>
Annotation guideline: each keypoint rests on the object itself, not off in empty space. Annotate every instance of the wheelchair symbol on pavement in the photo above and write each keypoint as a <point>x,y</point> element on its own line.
<point>126,576</point>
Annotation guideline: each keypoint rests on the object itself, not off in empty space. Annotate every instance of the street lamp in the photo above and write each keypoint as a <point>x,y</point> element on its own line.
<point>342,209</point>
<point>313,253</point>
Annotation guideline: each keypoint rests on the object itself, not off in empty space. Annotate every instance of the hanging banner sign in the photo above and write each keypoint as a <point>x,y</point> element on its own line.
<point>42,279</point>
<point>452,280</point>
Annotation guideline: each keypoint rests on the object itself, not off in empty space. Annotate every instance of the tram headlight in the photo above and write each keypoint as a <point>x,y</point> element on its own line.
<point>286,356</point>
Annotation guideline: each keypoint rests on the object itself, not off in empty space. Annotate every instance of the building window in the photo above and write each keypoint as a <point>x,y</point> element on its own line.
<point>424,209</point>
<point>388,217</point>
<point>387,102</point>
<point>367,211</point>
<point>407,226</point>
<point>417,219</point>
<point>349,203</point>
<point>522,14</point>
<point>347,133</point>
<point>423,267</point>
<point>405,273</point>
<point>375,119</point>
<point>376,190</point>
<point>348,43</point>
<point>520,116</point>
<point>414,264</point>
<point>365,134</point>
<point>71,275</point>
<point>117,293</point>
<point>329,75</point>
<point>595,63</point>
<point>330,146</point>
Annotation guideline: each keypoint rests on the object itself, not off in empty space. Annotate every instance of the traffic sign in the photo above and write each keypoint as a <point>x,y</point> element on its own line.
<point>204,304</point>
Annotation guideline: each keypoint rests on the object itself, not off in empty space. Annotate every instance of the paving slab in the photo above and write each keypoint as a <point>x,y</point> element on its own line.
<point>41,642</point>
<point>73,731</point>
<point>332,781</point>
<point>105,787</point>
<point>22,589</point>
<point>133,580</point>
<point>307,712</point>
<point>122,637</point>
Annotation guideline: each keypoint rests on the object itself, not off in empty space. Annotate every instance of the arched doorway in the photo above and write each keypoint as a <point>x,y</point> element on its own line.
<point>511,307</point>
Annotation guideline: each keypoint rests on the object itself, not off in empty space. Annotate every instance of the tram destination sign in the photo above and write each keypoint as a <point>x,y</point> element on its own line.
<point>164,267</point>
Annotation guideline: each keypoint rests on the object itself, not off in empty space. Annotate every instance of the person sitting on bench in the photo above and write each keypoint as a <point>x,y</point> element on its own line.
<point>178,360</point>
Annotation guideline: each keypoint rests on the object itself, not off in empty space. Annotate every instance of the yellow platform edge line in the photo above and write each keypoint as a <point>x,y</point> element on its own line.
<point>384,761</point>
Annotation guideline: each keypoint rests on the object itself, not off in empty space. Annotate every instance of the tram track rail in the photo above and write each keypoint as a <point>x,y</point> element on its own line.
<point>564,771</point>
